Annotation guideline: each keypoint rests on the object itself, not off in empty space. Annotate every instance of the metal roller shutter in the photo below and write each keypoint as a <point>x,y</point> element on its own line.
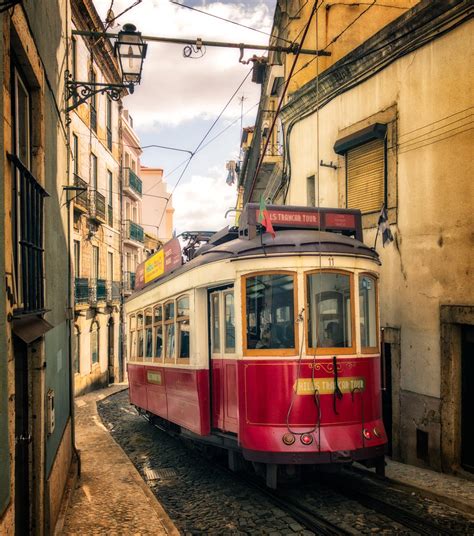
<point>365,176</point>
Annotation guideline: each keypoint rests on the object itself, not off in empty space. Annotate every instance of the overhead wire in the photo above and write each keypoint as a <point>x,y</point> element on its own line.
<point>226,20</point>
<point>204,139</point>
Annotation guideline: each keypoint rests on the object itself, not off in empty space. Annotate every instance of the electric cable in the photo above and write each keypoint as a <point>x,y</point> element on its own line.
<point>226,20</point>
<point>204,139</point>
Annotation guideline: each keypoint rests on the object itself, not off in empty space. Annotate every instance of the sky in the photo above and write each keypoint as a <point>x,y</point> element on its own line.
<point>179,98</point>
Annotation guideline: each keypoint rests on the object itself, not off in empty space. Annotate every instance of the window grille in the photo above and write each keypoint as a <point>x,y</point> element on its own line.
<point>28,238</point>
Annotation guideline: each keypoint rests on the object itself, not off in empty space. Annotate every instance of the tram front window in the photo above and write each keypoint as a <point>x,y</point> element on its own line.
<point>270,312</point>
<point>329,319</point>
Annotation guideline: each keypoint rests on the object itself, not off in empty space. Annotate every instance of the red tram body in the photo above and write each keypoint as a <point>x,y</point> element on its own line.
<point>267,347</point>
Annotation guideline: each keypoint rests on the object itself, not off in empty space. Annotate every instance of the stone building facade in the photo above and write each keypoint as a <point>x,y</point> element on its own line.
<point>36,424</point>
<point>96,151</point>
<point>133,231</point>
<point>390,123</point>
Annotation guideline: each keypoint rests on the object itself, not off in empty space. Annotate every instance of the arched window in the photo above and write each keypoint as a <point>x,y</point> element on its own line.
<point>132,347</point>
<point>140,337</point>
<point>368,313</point>
<point>148,334</point>
<point>158,331</point>
<point>77,350</point>
<point>95,331</point>
<point>169,331</point>
<point>182,326</point>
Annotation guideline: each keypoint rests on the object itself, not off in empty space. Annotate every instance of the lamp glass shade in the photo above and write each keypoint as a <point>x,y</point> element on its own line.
<point>131,51</point>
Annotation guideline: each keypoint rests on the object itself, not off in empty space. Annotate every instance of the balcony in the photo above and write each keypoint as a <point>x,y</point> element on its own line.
<point>134,234</point>
<point>81,291</point>
<point>113,292</point>
<point>132,184</point>
<point>97,206</point>
<point>97,291</point>
<point>81,200</point>
<point>129,282</point>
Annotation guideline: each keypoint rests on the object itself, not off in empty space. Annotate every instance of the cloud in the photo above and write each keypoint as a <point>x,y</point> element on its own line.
<point>202,201</point>
<point>176,89</point>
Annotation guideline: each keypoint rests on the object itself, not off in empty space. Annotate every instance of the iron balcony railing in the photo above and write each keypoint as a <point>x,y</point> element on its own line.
<point>81,199</point>
<point>133,231</point>
<point>28,247</point>
<point>113,291</point>
<point>97,206</point>
<point>81,290</point>
<point>129,283</point>
<point>97,291</point>
<point>133,181</point>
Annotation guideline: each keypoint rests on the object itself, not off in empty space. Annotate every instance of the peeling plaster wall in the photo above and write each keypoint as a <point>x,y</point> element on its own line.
<point>430,262</point>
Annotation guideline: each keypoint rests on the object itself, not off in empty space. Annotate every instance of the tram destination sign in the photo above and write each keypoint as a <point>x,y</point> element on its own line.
<point>346,221</point>
<point>165,260</point>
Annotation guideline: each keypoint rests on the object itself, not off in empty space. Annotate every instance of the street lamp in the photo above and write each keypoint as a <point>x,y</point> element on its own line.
<point>130,49</point>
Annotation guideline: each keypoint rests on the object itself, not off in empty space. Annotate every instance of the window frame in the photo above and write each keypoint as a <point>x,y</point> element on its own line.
<point>137,329</point>
<point>336,350</point>
<point>278,352</point>
<point>156,325</point>
<point>77,350</point>
<point>147,311</point>
<point>132,334</point>
<point>95,328</point>
<point>225,293</point>
<point>166,323</point>
<point>376,348</point>
<point>178,320</point>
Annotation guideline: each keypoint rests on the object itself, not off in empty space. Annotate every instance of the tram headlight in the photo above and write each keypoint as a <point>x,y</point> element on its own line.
<point>306,439</point>
<point>288,438</point>
<point>367,433</point>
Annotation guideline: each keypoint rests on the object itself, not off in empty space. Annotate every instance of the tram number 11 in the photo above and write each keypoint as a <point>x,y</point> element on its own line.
<point>330,261</point>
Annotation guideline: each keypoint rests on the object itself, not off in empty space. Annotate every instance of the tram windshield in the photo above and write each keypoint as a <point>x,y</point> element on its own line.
<point>367,312</point>
<point>329,319</point>
<point>270,311</point>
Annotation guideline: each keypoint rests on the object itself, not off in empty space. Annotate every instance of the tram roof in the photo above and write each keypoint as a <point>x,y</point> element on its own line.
<point>286,242</point>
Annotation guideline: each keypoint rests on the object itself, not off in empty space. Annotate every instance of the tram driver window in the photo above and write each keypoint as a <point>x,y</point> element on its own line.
<point>367,312</point>
<point>270,311</point>
<point>329,319</point>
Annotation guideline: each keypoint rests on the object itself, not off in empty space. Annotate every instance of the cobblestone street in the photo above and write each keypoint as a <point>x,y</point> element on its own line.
<point>202,497</point>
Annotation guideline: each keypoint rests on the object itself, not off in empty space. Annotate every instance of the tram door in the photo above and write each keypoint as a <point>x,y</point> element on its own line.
<point>223,363</point>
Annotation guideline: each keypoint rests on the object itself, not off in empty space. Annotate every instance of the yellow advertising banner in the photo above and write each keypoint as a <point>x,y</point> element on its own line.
<point>325,386</point>
<point>155,266</point>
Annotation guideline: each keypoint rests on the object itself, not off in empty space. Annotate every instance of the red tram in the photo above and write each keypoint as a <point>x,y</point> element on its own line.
<point>267,347</point>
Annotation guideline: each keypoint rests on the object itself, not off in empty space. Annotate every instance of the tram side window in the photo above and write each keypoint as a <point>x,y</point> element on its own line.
<point>270,311</point>
<point>133,338</point>
<point>367,311</point>
<point>215,329</point>
<point>169,331</point>
<point>329,319</point>
<point>182,325</point>
<point>148,334</point>
<point>229,323</point>
<point>140,336</point>
<point>158,328</point>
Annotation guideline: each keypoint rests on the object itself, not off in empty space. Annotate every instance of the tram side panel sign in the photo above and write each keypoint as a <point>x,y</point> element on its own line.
<point>160,263</point>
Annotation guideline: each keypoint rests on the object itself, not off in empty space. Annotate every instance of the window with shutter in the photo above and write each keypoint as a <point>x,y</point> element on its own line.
<point>365,176</point>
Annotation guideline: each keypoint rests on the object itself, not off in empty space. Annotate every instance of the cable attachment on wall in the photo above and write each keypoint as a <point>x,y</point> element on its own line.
<point>194,51</point>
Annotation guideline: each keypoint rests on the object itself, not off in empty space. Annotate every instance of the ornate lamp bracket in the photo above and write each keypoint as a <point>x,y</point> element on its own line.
<point>80,92</point>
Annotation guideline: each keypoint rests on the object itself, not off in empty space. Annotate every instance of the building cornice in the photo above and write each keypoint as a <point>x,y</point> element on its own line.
<point>85,17</point>
<point>427,21</point>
